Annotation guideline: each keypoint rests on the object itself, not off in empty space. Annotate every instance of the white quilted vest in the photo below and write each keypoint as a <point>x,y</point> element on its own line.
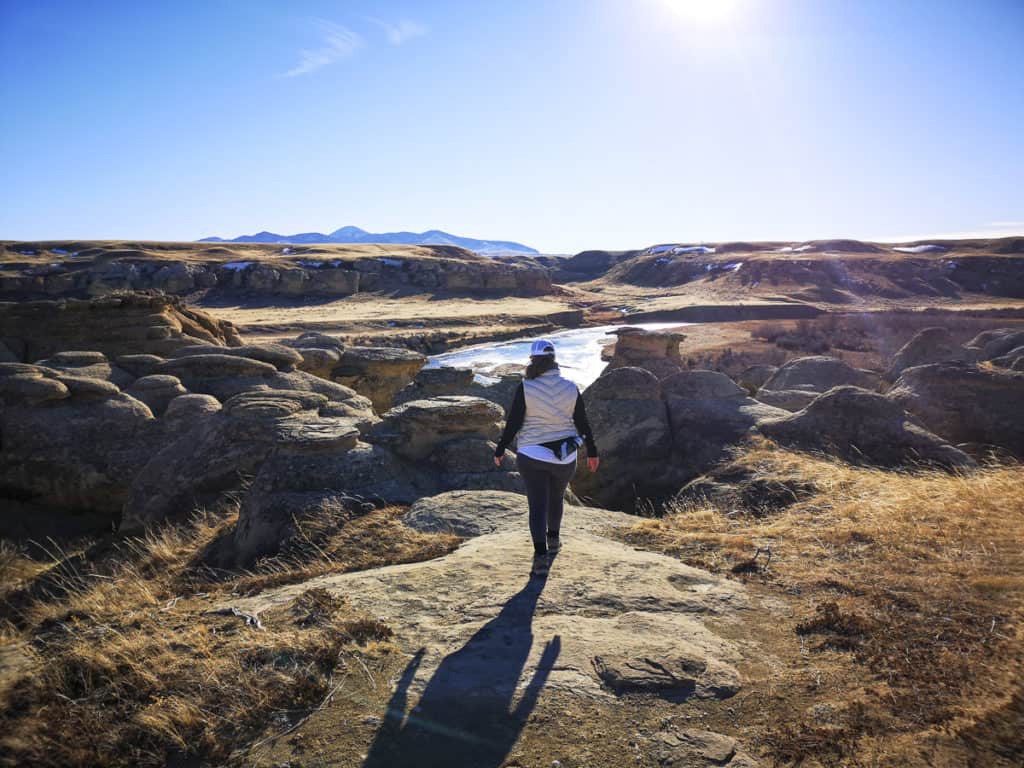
<point>550,401</point>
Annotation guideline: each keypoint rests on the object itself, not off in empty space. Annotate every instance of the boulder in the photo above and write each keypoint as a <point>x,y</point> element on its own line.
<point>416,429</point>
<point>966,403</point>
<point>79,452</point>
<point>199,367</point>
<point>88,388</point>
<point>797,383</point>
<point>93,365</point>
<point>753,377</point>
<point>281,357</point>
<point>862,427</point>
<point>631,428</point>
<point>139,365</point>
<point>187,411</point>
<point>30,388</point>
<point>156,391</point>
<point>932,345</point>
<point>983,338</point>
<point>996,343</point>
<point>433,382</point>
<point>340,476</point>
<point>378,372</point>
<point>217,453</point>
<point>657,351</point>
<point>318,361</point>
<point>708,413</point>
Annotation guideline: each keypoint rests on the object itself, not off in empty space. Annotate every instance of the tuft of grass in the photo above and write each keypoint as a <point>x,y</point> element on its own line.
<point>130,666</point>
<point>915,579</point>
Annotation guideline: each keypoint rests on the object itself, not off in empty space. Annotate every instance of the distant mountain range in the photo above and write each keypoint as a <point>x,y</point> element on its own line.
<point>357,235</point>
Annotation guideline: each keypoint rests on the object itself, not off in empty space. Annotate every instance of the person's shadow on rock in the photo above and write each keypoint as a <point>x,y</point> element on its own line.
<point>466,715</point>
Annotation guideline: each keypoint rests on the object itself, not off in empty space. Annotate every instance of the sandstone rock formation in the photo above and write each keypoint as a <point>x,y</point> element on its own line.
<point>93,365</point>
<point>862,427</point>
<point>416,429</point>
<point>378,372</point>
<point>966,403</point>
<point>114,325</point>
<point>655,436</point>
<point>419,449</point>
<point>932,345</point>
<point>281,357</point>
<point>996,343</point>
<point>614,621</point>
<point>211,456</point>
<point>267,270</point>
<point>798,382</point>
<point>156,391</point>
<point>708,413</point>
<point>630,421</point>
<point>753,377</point>
<point>657,351</point>
<point>70,442</point>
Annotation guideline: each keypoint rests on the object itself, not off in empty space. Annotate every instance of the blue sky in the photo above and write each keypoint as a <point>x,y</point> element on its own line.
<point>564,124</point>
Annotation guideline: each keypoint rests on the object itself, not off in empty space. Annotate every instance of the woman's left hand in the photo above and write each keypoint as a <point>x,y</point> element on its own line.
<point>497,461</point>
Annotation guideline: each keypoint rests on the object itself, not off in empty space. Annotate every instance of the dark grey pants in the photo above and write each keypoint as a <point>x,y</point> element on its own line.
<point>545,489</point>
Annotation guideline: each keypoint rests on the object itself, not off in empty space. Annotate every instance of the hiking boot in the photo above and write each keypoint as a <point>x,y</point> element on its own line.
<point>540,565</point>
<point>554,543</point>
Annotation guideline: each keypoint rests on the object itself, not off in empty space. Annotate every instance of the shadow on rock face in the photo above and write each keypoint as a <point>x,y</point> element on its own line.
<point>467,714</point>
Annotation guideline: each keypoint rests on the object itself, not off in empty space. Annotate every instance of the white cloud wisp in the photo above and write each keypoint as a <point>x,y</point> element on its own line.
<point>339,43</point>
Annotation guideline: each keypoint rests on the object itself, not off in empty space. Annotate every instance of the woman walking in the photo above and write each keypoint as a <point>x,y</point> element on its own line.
<point>548,413</point>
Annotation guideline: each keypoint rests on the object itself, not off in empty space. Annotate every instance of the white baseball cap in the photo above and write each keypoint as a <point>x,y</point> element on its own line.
<point>542,347</point>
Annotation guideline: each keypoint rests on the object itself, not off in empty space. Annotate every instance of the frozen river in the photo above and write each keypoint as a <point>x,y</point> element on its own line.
<point>578,352</point>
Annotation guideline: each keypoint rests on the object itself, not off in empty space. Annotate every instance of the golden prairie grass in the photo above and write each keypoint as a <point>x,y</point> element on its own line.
<point>910,584</point>
<point>129,666</point>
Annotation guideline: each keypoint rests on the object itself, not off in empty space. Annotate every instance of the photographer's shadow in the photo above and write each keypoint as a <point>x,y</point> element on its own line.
<point>466,716</point>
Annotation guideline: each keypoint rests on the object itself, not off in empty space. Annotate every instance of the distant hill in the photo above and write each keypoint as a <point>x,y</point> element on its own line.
<point>357,235</point>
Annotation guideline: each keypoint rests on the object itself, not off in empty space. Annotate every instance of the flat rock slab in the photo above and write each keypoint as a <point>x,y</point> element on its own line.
<point>475,513</point>
<point>482,632</point>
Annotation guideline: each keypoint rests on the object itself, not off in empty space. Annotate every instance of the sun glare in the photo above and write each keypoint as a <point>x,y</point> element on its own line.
<point>710,12</point>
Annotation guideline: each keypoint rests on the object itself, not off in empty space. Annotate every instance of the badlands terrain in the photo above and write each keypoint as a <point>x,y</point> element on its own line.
<point>247,522</point>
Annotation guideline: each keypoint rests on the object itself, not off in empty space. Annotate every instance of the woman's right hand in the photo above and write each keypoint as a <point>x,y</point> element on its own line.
<point>592,463</point>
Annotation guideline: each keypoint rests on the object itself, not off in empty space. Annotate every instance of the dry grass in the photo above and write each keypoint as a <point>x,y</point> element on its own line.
<point>908,586</point>
<point>130,667</point>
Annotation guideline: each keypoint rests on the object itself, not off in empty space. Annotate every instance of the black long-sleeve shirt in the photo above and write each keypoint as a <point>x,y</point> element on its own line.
<point>517,413</point>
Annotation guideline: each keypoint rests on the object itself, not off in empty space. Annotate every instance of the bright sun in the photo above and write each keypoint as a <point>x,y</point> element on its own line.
<point>704,11</point>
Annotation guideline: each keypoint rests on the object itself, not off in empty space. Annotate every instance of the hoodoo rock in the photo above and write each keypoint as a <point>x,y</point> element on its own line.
<point>378,372</point>
<point>657,351</point>
<point>932,345</point>
<point>797,383</point>
<point>416,429</point>
<point>862,427</point>
<point>966,403</point>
